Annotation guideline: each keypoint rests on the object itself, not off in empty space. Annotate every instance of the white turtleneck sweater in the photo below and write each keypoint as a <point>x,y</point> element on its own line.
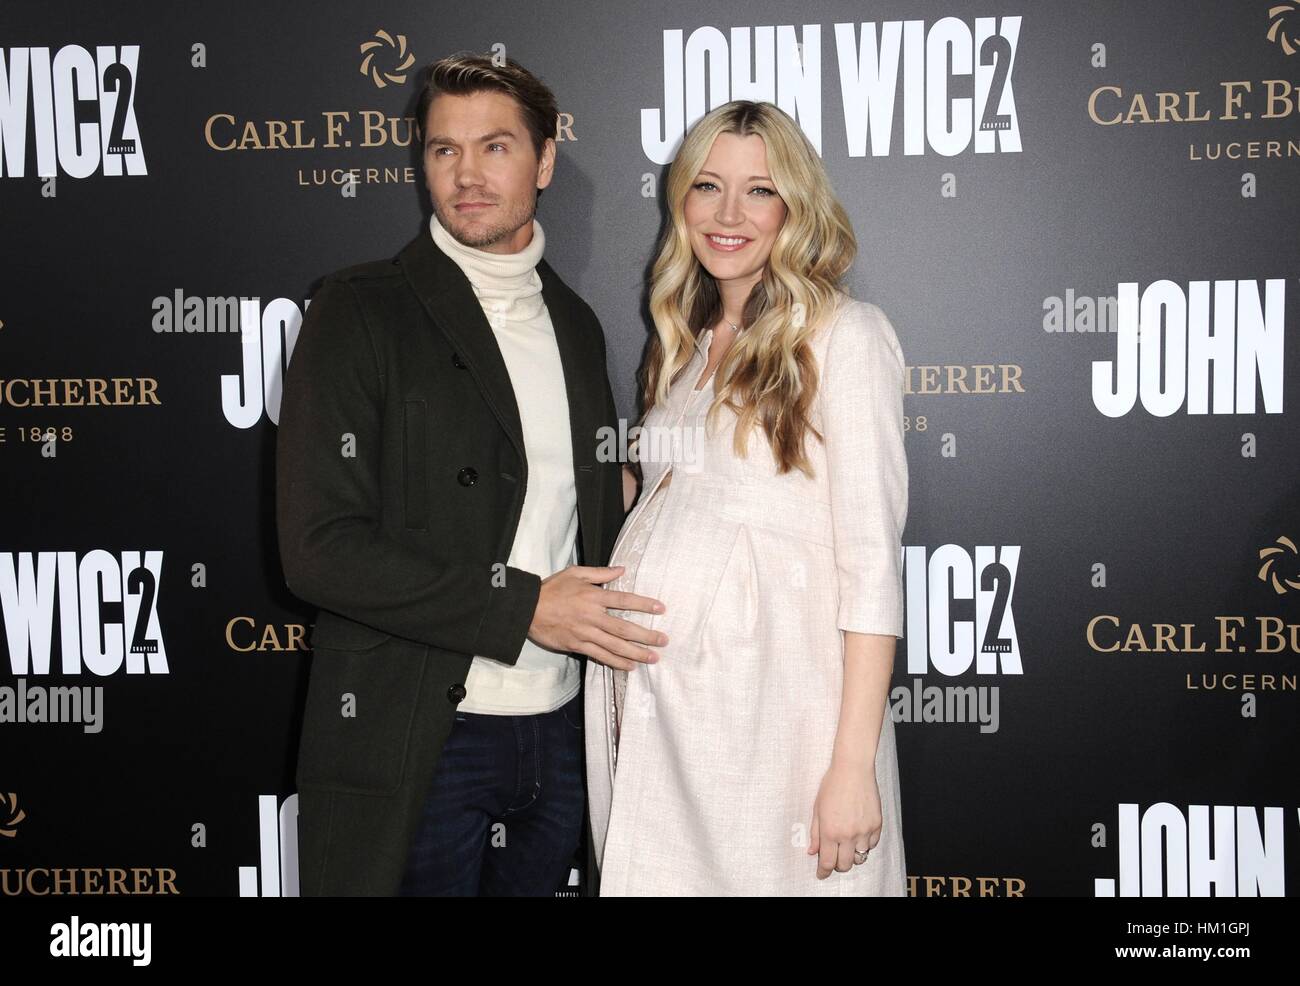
<point>510,291</point>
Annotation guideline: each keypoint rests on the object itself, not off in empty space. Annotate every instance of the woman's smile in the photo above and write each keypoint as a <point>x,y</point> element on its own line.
<point>726,244</point>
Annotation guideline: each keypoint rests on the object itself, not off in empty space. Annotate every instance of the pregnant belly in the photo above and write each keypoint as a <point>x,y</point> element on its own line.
<point>634,541</point>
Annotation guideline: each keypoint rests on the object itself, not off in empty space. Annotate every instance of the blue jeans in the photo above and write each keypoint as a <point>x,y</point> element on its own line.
<point>504,813</point>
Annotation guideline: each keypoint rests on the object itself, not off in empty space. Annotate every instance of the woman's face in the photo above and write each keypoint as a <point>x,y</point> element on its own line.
<point>733,211</point>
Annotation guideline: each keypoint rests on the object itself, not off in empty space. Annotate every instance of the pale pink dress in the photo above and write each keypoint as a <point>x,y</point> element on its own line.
<point>702,776</point>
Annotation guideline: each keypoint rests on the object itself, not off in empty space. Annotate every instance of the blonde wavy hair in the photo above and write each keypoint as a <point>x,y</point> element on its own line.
<point>768,376</point>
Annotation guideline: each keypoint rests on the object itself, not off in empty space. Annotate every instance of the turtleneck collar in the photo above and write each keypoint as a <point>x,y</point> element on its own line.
<point>506,284</point>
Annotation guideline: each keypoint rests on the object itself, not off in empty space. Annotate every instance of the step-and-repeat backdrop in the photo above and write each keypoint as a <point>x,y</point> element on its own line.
<point>1080,217</point>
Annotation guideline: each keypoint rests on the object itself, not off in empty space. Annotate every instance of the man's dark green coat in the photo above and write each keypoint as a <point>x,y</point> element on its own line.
<point>400,474</point>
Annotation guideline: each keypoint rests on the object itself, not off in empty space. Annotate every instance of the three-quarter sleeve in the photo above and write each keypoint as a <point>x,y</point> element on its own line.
<point>861,397</point>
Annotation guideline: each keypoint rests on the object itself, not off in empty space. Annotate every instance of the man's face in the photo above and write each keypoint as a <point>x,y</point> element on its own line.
<point>481,170</point>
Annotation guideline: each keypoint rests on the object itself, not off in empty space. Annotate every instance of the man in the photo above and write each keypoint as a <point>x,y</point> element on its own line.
<point>437,479</point>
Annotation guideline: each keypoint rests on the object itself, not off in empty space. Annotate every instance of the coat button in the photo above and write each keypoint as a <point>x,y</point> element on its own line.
<point>457,362</point>
<point>456,693</point>
<point>467,476</point>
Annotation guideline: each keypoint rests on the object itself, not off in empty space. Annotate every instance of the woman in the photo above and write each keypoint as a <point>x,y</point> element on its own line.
<point>756,756</point>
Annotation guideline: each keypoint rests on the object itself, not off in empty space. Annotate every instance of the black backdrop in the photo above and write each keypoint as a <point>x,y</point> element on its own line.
<point>1048,535</point>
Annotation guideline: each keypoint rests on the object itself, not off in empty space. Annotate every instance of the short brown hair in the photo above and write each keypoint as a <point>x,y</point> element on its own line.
<point>464,73</point>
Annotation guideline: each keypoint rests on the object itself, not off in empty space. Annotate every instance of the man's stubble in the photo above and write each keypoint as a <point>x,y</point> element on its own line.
<point>482,238</point>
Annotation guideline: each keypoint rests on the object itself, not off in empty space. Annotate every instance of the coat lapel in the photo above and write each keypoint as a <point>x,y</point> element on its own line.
<point>582,382</point>
<point>447,296</point>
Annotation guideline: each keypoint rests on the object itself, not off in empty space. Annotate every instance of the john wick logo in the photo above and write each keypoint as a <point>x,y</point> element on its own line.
<point>394,47</point>
<point>959,621</point>
<point>268,337</point>
<point>80,108</point>
<point>1284,26</point>
<point>108,612</point>
<point>881,65</point>
<point>276,874</point>
<point>10,814</point>
<point>1283,551</point>
<point>1168,358</point>
<point>959,615</point>
<point>1169,850</point>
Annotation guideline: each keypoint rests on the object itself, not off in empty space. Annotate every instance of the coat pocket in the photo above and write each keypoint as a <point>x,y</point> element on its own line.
<point>362,697</point>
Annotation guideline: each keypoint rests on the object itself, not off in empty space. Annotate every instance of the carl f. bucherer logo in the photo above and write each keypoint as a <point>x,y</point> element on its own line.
<point>10,814</point>
<point>1283,25</point>
<point>1270,557</point>
<point>400,55</point>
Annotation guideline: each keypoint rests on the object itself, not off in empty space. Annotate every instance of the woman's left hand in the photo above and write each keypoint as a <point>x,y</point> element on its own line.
<point>846,816</point>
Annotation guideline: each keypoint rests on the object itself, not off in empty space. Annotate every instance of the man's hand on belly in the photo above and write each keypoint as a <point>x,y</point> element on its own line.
<point>572,617</point>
